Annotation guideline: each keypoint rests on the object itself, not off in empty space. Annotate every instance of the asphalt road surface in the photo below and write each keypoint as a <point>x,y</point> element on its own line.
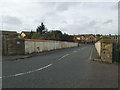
<point>65,68</point>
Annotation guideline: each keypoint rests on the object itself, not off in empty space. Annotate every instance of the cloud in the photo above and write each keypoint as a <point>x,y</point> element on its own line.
<point>92,23</point>
<point>11,20</point>
<point>108,22</point>
<point>69,17</point>
<point>63,6</point>
<point>11,23</point>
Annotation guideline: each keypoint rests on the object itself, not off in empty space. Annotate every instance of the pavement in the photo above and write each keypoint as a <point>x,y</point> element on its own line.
<point>94,55</point>
<point>65,68</point>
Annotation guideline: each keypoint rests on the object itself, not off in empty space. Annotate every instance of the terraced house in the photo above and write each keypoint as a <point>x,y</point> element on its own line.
<point>85,38</point>
<point>90,38</point>
<point>79,38</point>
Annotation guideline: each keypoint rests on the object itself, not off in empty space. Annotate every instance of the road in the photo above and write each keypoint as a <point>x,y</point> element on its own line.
<point>65,68</point>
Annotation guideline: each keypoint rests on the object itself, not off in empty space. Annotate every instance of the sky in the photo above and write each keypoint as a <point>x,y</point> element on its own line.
<point>69,17</point>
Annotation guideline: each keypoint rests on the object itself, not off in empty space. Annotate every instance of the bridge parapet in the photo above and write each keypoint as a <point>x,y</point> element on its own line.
<point>104,48</point>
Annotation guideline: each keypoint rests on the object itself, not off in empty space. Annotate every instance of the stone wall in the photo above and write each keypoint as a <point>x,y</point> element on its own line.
<point>105,49</point>
<point>27,46</point>
<point>32,45</point>
<point>3,35</point>
<point>4,47</point>
<point>98,47</point>
<point>15,46</point>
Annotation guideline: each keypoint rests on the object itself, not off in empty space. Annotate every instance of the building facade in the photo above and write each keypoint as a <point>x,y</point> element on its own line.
<point>79,39</point>
<point>91,39</point>
<point>85,39</point>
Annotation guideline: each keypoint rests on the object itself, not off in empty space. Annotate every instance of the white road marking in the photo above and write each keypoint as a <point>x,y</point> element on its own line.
<point>19,74</point>
<point>63,56</point>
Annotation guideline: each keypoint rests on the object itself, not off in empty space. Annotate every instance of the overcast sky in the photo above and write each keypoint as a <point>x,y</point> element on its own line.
<point>69,17</point>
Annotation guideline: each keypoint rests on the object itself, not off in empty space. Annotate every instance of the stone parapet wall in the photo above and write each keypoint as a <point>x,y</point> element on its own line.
<point>15,46</point>
<point>28,46</point>
<point>32,45</point>
<point>105,49</point>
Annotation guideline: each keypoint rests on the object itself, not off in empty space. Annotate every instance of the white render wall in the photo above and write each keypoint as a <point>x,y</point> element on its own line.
<point>98,47</point>
<point>39,46</point>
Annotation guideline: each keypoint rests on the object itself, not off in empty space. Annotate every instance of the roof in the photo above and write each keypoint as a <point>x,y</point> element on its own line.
<point>87,35</point>
<point>8,32</point>
<point>78,35</point>
<point>26,32</point>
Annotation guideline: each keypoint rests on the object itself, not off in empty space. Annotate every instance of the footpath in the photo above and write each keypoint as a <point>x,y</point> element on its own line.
<point>12,58</point>
<point>94,55</point>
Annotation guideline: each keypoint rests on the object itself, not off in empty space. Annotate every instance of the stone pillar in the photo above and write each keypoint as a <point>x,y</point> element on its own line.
<point>106,50</point>
<point>16,46</point>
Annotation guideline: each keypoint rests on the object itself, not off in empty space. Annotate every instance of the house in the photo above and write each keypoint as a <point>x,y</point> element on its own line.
<point>79,38</point>
<point>24,33</point>
<point>85,38</point>
<point>90,38</point>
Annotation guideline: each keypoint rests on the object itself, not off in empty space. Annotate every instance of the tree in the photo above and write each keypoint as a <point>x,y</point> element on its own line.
<point>53,35</point>
<point>67,37</point>
<point>57,35</point>
<point>104,37</point>
<point>41,29</point>
<point>37,36</point>
<point>30,35</point>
